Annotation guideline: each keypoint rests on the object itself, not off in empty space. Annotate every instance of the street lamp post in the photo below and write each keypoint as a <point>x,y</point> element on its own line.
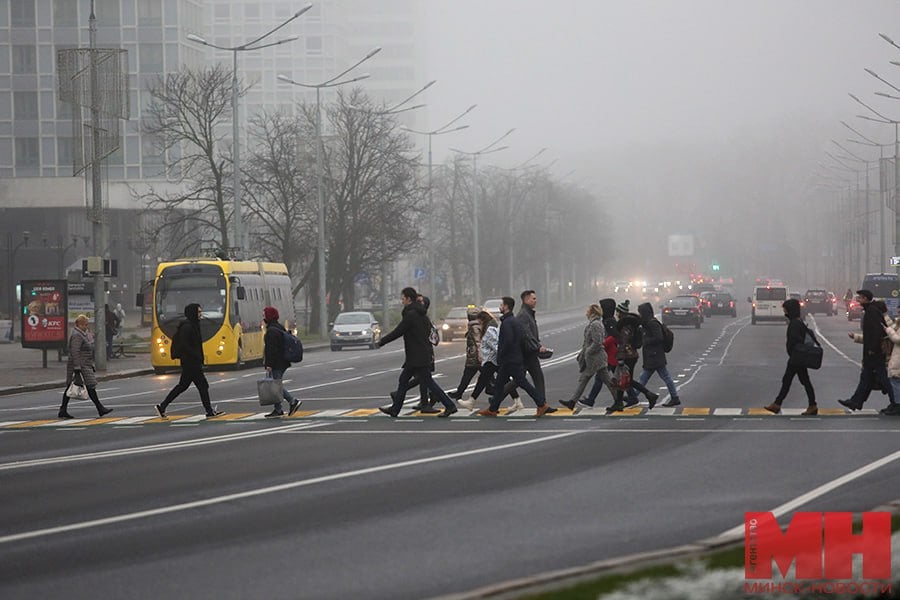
<point>320,192</point>
<point>236,145</point>
<point>489,149</point>
<point>446,128</point>
<point>11,280</point>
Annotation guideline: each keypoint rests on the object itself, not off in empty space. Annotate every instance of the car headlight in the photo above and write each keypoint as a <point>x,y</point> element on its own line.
<point>367,331</point>
<point>445,327</point>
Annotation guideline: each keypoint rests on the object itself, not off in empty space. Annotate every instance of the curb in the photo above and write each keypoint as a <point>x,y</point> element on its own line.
<point>49,385</point>
<point>554,580</point>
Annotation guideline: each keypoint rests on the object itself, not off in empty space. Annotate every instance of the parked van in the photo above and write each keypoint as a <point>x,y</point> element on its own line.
<point>886,287</point>
<point>766,303</point>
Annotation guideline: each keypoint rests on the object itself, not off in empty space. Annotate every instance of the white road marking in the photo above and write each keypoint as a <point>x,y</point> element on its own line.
<point>821,337</point>
<point>823,489</point>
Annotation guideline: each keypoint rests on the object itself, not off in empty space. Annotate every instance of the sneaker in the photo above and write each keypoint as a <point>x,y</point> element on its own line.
<point>672,402</point>
<point>580,406</point>
<point>294,406</point>
<point>570,404</point>
<point>811,411</point>
<point>160,412</point>
<point>448,411</point>
<point>517,405</point>
<point>652,397</point>
<point>617,406</point>
<point>64,415</point>
<point>629,402</point>
<point>773,408</point>
<point>892,410</point>
<point>275,414</point>
<point>215,413</point>
<point>487,412</point>
<point>850,404</point>
<point>468,404</point>
<point>544,409</point>
<point>388,412</point>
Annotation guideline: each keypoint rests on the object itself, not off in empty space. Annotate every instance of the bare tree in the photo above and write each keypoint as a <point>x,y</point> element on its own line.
<point>185,119</point>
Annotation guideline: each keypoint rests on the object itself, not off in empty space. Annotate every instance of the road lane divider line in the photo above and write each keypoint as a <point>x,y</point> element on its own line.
<point>783,509</point>
<point>157,447</point>
<point>163,510</point>
<point>821,336</point>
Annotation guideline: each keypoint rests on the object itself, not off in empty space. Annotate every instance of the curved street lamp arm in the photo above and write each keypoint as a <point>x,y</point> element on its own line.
<point>882,79</point>
<point>331,81</point>
<point>454,120</point>
<point>296,15</point>
<point>495,142</point>
<point>870,108</point>
<point>844,123</point>
<point>854,156</point>
<point>401,103</point>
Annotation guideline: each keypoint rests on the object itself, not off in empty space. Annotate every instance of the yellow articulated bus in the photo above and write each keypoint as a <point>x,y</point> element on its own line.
<point>232,295</point>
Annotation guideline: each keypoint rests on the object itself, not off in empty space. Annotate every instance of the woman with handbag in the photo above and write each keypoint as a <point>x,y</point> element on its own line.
<point>80,368</point>
<point>796,336</point>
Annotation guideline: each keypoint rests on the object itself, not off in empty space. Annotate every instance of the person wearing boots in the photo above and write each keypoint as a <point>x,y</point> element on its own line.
<point>655,354</point>
<point>796,335</point>
<point>592,360</point>
<point>81,365</point>
<point>274,361</point>
<point>629,339</point>
<point>190,341</point>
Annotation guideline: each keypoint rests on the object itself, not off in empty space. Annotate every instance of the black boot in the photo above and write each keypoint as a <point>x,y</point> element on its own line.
<point>101,410</point>
<point>63,412</point>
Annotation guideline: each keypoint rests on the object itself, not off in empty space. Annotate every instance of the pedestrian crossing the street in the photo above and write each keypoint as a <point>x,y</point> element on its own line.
<point>374,413</point>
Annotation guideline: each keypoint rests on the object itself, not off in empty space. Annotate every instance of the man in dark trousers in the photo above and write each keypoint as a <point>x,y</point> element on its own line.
<point>415,329</point>
<point>189,343</point>
<point>873,364</point>
<point>274,361</point>
<point>112,326</point>
<point>511,360</point>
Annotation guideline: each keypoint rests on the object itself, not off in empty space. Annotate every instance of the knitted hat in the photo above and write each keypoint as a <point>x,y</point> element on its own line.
<point>865,294</point>
<point>270,313</point>
<point>623,306</point>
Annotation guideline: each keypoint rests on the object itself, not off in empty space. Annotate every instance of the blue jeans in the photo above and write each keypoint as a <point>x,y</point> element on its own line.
<point>663,373</point>
<point>278,374</point>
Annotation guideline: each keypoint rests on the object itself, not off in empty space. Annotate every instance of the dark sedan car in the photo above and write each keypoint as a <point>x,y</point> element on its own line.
<point>719,303</point>
<point>820,301</point>
<point>683,310</point>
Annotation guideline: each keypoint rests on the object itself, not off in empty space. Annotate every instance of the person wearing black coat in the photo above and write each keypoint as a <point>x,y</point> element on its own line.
<point>628,335</point>
<point>415,328</point>
<point>796,335</point>
<point>655,355</point>
<point>873,363</point>
<point>190,341</point>
<point>274,361</point>
<point>511,361</point>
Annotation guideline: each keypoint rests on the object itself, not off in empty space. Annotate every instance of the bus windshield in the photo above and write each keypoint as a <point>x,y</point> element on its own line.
<point>175,290</point>
<point>882,286</point>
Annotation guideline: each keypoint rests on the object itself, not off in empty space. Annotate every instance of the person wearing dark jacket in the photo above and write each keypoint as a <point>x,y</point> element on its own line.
<point>511,361</point>
<point>796,335</point>
<point>190,342</point>
<point>415,328</point>
<point>426,400</point>
<point>628,339</point>
<point>873,363</point>
<point>655,354</point>
<point>274,361</point>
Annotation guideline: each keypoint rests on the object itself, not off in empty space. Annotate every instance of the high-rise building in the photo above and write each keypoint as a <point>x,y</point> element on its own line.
<point>38,192</point>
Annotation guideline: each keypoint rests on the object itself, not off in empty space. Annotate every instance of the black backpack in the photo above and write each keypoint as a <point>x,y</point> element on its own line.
<point>293,348</point>
<point>177,350</point>
<point>668,338</point>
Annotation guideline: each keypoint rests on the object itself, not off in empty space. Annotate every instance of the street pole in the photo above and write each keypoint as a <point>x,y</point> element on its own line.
<point>97,228</point>
<point>896,192</point>
<point>320,192</point>
<point>475,207</point>
<point>431,235</point>
<point>236,149</point>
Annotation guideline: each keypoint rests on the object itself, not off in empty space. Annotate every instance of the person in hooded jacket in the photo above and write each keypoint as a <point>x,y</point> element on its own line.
<point>415,329</point>
<point>81,365</point>
<point>892,330</point>
<point>274,361</point>
<point>628,340</point>
<point>190,340</point>
<point>796,335</point>
<point>472,364</point>
<point>655,355</point>
<point>427,399</point>
<point>592,359</point>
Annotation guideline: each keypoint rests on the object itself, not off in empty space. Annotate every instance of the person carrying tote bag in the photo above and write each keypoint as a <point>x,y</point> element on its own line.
<point>81,366</point>
<point>799,359</point>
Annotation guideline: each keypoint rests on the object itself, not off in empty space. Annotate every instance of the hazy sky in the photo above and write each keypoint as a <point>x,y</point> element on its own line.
<point>604,76</point>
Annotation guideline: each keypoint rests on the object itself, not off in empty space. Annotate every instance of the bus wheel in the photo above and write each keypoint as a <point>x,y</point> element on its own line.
<point>159,370</point>
<point>240,358</point>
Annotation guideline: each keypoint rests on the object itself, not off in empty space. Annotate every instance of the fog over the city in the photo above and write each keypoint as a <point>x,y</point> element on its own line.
<point>700,117</point>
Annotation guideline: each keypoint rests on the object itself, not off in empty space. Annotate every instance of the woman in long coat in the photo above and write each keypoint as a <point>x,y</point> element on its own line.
<point>81,361</point>
<point>592,360</point>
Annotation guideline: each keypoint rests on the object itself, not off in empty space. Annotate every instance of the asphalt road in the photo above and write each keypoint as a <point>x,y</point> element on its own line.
<point>338,507</point>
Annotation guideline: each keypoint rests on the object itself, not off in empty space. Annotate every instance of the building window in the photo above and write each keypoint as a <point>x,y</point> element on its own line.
<point>107,13</point>
<point>64,152</point>
<point>151,60</point>
<point>24,60</point>
<point>27,154</point>
<point>222,12</point>
<point>25,105</point>
<point>251,11</point>
<point>314,44</point>
<point>21,13</point>
<point>65,13</point>
<point>150,12</point>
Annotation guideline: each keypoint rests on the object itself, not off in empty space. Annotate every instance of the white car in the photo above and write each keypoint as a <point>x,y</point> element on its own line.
<point>355,329</point>
<point>492,306</point>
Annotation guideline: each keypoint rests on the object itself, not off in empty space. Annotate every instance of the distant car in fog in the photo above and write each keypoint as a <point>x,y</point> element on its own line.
<point>683,310</point>
<point>719,303</point>
<point>455,323</point>
<point>820,301</point>
<point>492,306</point>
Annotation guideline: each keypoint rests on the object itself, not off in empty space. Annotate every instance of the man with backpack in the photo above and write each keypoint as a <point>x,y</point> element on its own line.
<point>654,346</point>
<point>277,352</point>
